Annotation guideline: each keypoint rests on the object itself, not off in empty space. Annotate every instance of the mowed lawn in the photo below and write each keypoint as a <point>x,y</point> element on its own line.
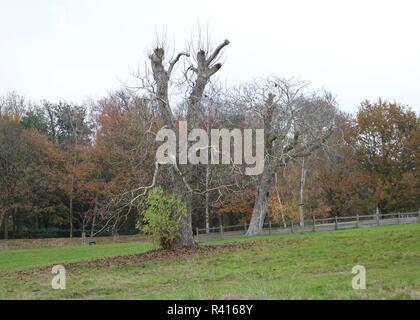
<point>298,266</point>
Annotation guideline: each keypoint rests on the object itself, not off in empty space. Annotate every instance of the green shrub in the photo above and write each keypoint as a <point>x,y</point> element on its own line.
<point>162,219</point>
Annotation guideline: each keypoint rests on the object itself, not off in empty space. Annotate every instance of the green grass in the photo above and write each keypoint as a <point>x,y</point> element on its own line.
<point>298,266</point>
<point>13,244</point>
<point>22,259</point>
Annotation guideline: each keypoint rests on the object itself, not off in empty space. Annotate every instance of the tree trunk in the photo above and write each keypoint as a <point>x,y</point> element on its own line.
<point>261,201</point>
<point>302,187</point>
<point>92,230</point>
<point>187,239</point>
<point>71,216</point>
<point>207,199</point>
<point>73,176</point>
<point>283,220</point>
<point>221,222</point>
<point>181,191</point>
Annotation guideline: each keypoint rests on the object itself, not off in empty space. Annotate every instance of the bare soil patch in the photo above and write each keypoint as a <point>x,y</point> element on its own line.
<point>139,258</point>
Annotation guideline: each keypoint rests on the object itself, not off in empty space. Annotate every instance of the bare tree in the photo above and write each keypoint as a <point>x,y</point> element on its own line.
<point>302,188</point>
<point>203,65</point>
<point>12,105</point>
<point>282,109</point>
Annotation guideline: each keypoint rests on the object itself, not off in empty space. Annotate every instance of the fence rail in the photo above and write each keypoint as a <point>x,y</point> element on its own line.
<point>312,225</point>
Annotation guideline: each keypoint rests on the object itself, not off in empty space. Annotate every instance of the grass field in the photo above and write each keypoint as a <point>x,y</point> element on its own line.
<point>63,242</point>
<point>15,260</point>
<point>308,266</point>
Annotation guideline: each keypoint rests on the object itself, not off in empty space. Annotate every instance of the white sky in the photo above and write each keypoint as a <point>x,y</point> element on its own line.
<point>81,48</point>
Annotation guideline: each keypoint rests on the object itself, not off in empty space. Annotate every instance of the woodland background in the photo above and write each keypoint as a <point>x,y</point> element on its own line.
<point>64,166</point>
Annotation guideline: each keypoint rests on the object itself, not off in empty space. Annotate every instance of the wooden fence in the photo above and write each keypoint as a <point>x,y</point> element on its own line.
<point>313,225</point>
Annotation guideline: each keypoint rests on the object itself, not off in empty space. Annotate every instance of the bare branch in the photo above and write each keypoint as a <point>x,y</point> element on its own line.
<point>216,52</point>
<point>312,146</point>
<point>174,62</point>
<point>214,69</point>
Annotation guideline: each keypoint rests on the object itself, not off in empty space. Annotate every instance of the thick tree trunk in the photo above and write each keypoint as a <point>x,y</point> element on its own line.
<point>179,189</point>
<point>283,220</point>
<point>221,222</point>
<point>261,201</point>
<point>187,239</point>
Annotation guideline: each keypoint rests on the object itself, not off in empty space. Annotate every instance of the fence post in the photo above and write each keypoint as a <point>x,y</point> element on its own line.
<point>377,219</point>
<point>196,232</point>
<point>269,226</point>
<point>357,221</point>
<point>221,231</point>
<point>418,217</point>
<point>399,218</point>
<point>314,227</point>
<point>292,227</point>
<point>336,223</point>
<point>245,227</point>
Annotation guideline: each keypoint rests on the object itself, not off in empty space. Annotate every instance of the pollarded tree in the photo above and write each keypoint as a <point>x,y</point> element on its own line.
<point>294,126</point>
<point>203,66</point>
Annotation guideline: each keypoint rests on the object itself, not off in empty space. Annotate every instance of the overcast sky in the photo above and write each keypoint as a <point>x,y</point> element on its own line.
<point>75,49</point>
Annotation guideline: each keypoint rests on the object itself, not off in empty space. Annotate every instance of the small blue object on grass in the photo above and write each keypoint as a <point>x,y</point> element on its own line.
<point>92,243</point>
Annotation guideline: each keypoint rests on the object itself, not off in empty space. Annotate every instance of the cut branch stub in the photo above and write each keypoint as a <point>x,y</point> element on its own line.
<point>204,68</point>
<point>216,52</point>
<point>270,136</point>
